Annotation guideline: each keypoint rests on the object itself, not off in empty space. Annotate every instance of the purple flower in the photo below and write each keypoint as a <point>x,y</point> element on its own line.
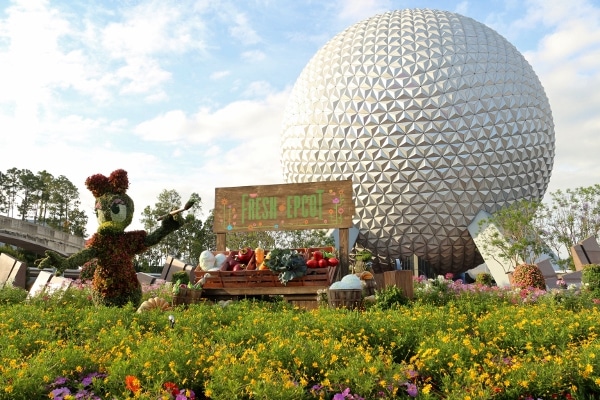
<point>61,380</point>
<point>411,389</point>
<point>58,394</point>
<point>343,395</point>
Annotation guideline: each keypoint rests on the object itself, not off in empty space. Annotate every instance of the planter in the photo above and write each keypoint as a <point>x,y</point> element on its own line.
<point>345,298</point>
<point>187,296</point>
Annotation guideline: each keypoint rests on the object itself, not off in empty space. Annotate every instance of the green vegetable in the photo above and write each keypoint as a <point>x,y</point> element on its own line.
<point>289,264</point>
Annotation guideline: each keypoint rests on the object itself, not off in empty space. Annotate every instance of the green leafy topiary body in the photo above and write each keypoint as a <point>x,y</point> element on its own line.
<point>115,281</point>
<point>529,275</point>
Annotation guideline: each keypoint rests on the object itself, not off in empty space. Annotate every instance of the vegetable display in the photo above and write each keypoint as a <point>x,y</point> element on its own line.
<point>289,264</point>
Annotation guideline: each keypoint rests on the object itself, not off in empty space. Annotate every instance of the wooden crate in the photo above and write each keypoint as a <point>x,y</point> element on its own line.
<point>264,278</point>
<point>267,278</point>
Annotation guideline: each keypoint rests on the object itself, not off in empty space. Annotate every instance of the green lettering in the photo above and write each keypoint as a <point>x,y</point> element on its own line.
<point>320,202</point>
<point>289,206</point>
<point>297,205</point>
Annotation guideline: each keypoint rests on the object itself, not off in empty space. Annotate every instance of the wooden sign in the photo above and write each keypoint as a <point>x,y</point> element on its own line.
<point>314,205</point>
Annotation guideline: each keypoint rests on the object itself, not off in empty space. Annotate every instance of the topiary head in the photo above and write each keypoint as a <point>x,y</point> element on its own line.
<point>114,208</point>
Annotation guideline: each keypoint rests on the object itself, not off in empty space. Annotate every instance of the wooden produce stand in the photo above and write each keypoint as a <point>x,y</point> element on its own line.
<point>314,205</point>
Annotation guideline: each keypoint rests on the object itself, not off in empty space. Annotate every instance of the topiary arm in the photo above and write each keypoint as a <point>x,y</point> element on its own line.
<point>55,260</point>
<point>168,225</point>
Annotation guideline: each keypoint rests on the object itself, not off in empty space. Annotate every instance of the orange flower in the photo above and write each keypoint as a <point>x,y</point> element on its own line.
<point>132,383</point>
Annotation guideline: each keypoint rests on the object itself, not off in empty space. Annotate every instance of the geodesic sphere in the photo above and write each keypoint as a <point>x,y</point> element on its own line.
<point>434,116</point>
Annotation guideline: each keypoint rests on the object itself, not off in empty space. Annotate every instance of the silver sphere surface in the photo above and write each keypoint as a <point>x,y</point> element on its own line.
<point>434,116</point>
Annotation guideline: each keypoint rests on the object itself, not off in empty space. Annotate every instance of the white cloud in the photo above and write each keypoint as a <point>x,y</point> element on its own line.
<point>253,55</point>
<point>152,28</point>
<point>352,11</point>
<point>237,121</point>
<point>169,126</point>
<point>567,60</point>
<point>142,75</point>
<point>258,89</point>
<point>241,29</point>
<point>219,75</point>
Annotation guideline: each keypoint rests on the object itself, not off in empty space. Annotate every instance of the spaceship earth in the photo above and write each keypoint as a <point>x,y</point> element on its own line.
<point>433,116</point>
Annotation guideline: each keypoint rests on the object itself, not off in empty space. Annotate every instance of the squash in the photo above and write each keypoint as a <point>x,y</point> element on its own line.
<point>259,255</point>
<point>154,303</point>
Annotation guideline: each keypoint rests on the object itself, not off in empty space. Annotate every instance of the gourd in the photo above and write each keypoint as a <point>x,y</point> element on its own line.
<point>154,303</point>
<point>259,255</point>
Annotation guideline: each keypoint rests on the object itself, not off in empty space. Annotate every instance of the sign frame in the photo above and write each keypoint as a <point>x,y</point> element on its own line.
<point>291,206</point>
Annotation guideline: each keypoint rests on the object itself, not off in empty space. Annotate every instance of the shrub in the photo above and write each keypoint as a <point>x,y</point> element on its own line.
<point>529,275</point>
<point>590,277</point>
<point>10,294</point>
<point>389,297</point>
<point>182,276</point>
<point>484,279</point>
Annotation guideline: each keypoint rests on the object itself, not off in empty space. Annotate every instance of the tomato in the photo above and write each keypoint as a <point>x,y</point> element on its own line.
<point>312,263</point>
<point>333,261</point>
<point>323,263</point>
<point>317,255</point>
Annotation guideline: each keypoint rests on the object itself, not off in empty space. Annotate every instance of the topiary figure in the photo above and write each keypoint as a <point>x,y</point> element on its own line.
<point>590,277</point>
<point>529,275</point>
<point>115,281</point>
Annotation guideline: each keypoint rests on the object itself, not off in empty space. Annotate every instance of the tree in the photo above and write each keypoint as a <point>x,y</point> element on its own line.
<point>298,239</point>
<point>11,186</point>
<point>519,235</point>
<point>29,185</point>
<point>43,195</point>
<point>187,243</point>
<point>572,216</point>
<point>63,209</point>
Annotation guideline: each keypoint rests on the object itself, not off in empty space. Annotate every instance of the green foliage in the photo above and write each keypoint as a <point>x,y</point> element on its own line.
<point>288,263</point>
<point>10,294</point>
<point>187,242</point>
<point>481,342</point>
<point>529,275</point>
<point>484,279</point>
<point>183,277</point>
<point>436,292</point>
<point>590,277</point>
<point>518,238</point>
<point>572,216</point>
<point>43,199</point>
<point>389,297</point>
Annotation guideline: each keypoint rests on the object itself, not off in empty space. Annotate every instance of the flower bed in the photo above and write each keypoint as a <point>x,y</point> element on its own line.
<point>451,341</point>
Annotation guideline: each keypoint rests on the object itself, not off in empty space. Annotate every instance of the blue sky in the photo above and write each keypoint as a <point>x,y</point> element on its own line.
<point>189,95</point>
